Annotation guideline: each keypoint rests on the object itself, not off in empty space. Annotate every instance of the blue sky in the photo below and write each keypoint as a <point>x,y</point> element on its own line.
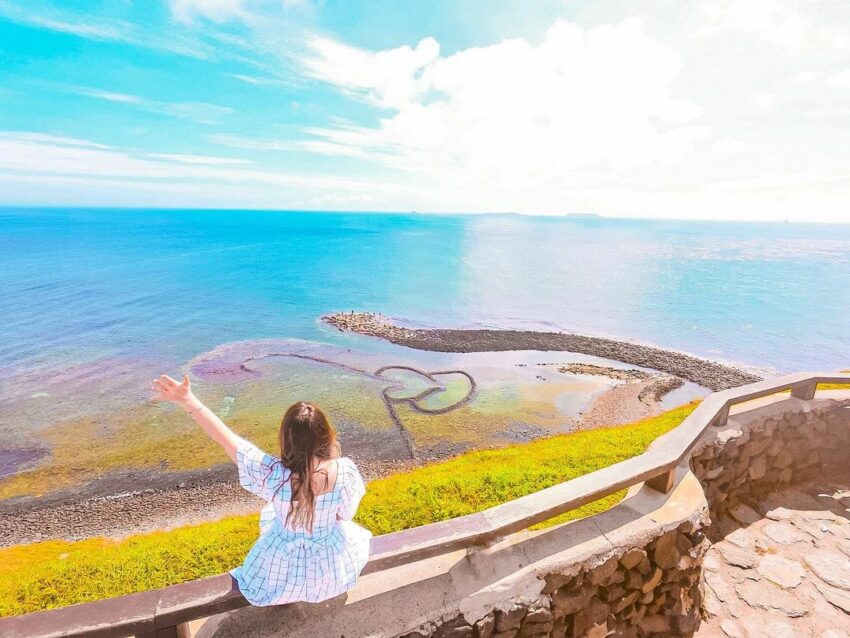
<point>716,109</point>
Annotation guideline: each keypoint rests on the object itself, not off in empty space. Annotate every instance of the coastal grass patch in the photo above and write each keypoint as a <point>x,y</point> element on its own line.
<point>480,479</point>
<point>834,386</point>
<point>55,573</point>
<point>58,573</point>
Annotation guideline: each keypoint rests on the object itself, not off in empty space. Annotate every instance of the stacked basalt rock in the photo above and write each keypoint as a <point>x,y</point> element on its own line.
<point>651,591</point>
<point>369,324</point>
<point>743,463</point>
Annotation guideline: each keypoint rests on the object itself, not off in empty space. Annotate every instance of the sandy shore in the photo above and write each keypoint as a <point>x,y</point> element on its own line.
<point>709,374</point>
<point>628,402</point>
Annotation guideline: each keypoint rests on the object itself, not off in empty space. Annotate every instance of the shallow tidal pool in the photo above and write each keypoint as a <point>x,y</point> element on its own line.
<point>390,404</point>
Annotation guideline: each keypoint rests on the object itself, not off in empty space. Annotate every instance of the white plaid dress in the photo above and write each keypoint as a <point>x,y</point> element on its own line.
<point>287,565</point>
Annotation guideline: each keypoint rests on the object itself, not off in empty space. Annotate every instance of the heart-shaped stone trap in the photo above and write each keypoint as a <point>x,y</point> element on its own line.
<point>407,383</point>
<point>428,392</point>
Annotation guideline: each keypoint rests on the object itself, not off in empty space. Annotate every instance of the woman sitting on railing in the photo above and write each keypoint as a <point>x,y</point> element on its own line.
<point>309,549</point>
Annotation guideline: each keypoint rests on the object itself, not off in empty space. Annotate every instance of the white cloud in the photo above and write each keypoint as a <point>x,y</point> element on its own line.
<point>196,159</point>
<point>200,112</point>
<point>765,99</point>
<point>91,31</point>
<point>261,80</point>
<point>728,146</point>
<point>55,158</point>
<point>123,98</point>
<point>775,21</point>
<point>223,10</point>
<point>840,80</point>
<point>385,78</point>
<point>514,111</point>
<point>216,10</point>
<point>319,146</point>
<point>44,138</point>
<point>250,143</point>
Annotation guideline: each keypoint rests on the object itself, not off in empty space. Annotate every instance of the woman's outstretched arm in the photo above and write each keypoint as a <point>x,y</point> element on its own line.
<point>167,389</point>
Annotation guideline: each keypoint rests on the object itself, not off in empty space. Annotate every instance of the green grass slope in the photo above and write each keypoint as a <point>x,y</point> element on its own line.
<point>55,573</point>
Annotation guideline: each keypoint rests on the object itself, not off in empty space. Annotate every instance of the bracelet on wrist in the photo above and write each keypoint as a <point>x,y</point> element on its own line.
<point>198,409</point>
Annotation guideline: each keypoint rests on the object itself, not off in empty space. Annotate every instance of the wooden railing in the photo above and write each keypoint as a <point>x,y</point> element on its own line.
<point>164,613</point>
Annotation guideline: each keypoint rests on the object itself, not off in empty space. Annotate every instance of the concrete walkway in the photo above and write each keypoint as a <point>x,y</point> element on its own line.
<point>782,570</point>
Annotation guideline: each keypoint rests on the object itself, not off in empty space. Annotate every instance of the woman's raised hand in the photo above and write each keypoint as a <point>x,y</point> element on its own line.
<point>167,389</point>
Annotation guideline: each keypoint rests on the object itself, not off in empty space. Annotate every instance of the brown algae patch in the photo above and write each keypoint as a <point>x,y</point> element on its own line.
<point>15,460</point>
<point>161,438</point>
<point>387,408</point>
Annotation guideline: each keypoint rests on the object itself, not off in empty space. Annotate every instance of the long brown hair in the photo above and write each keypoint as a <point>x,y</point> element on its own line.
<point>305,435</point>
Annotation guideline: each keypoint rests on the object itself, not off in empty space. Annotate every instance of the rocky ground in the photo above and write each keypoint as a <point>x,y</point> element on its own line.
<point>637,398</point>
<point>137,512</point>
<point>782,570</point>
<point>626,403</point>
<point>709,374</point>
<point>169,501</point>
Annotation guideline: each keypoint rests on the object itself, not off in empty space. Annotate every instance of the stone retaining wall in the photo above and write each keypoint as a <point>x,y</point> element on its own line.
<point>642,591</point>
<point>769,448</point>
<point>655,589</point>
<point>633,571</point>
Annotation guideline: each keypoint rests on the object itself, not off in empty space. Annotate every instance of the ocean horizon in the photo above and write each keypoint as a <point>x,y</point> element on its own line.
<point>96,302</point>
<point>767,295</point>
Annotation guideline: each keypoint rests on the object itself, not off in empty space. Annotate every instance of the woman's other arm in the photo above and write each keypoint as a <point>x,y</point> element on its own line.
<point>167,389</point>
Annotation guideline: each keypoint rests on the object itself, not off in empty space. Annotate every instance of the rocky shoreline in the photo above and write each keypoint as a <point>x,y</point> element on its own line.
<point>709,374</point>
<point>199,497</point>
<point>115,506</point>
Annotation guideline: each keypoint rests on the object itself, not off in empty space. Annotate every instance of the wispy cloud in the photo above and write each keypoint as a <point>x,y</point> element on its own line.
<point>36,154</point>
<point>93,27</point>
<point>197,159</point>
<point>312,145</point>
<point>45,138</point>
<point>114,31</point>
<point>251,143</point>
<point>267,80</point>
<point>216,10</point>
<point>200,112</point>
<point>122,98</point>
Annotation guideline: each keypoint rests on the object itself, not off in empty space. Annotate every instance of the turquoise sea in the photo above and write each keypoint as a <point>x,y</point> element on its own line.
<point>96,301</point>
<point>170,284</point>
